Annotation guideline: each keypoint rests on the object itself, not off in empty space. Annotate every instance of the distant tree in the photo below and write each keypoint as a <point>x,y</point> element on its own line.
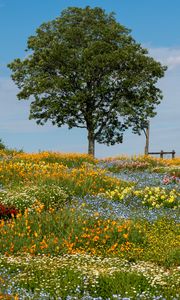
<point>85,70</point>
<point>2,145</point>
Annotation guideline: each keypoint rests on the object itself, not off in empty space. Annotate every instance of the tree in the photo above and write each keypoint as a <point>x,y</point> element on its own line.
<point>2,145</point>
<point>85,70</point>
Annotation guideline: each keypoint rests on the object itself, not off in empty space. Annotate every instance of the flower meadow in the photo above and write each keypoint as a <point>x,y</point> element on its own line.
<point>75,227</point>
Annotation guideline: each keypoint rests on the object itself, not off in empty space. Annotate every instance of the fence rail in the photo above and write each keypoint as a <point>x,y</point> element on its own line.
<point>161,153</point>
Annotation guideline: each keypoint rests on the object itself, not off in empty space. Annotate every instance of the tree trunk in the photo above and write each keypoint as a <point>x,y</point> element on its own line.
<point>146,149</point>
<point>91,143</point>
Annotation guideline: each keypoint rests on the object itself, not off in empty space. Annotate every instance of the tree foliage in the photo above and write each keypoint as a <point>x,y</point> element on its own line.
<point>85,70</point>
<point>2,145</point>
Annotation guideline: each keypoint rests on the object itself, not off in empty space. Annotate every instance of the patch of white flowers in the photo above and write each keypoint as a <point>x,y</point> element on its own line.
<point>50,195</point>
<point>46,274</point>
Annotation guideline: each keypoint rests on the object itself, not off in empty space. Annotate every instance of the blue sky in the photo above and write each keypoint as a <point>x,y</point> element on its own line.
<point>155,24</point>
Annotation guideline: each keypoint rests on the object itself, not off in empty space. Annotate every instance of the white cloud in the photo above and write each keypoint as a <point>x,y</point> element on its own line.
<point>168,56</point>
<point>173,61</point>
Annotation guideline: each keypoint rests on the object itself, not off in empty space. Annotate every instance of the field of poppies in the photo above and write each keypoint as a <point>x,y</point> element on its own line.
<point>74,227</point>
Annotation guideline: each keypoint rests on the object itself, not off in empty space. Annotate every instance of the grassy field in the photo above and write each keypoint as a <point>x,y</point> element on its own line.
<point>74,227</point>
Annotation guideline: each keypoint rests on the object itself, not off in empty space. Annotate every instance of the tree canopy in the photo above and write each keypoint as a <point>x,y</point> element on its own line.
<point>85,70</point>
<point>2,145</point>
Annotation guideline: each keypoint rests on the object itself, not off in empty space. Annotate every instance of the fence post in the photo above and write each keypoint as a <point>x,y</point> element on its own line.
<point>161,154</point>
<point>173,154</point>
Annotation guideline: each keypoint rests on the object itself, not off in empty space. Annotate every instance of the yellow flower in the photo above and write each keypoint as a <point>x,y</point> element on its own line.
<point>171,199</point>
<point>35,234</point>
<point>96,214</point>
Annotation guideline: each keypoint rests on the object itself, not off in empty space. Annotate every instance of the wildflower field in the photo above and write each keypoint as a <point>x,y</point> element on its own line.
<point>74,227</point>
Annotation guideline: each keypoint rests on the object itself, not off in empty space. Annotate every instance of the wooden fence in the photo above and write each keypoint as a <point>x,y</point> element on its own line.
<point>161,153</point>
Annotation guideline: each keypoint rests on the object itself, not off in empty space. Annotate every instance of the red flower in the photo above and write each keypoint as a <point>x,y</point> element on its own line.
<point>7,212</point>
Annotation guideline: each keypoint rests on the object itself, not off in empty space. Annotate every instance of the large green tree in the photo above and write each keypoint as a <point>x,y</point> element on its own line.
<point>85,70</point>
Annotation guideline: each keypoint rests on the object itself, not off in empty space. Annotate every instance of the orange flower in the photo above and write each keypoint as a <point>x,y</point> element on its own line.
<point>19,215</point>
<point>33,249</point>
<point>120,228</point>
<point>93,251</point>
<point>113,223</point>
<point>84,235</point>
<point>12,247</point>
<point>112,248</point>
<point>96,238</point>
<point>125,235</point>
<point>107,236</point>
<point>43,244</point>
<point>2,223</point>
<point>55,241</point>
